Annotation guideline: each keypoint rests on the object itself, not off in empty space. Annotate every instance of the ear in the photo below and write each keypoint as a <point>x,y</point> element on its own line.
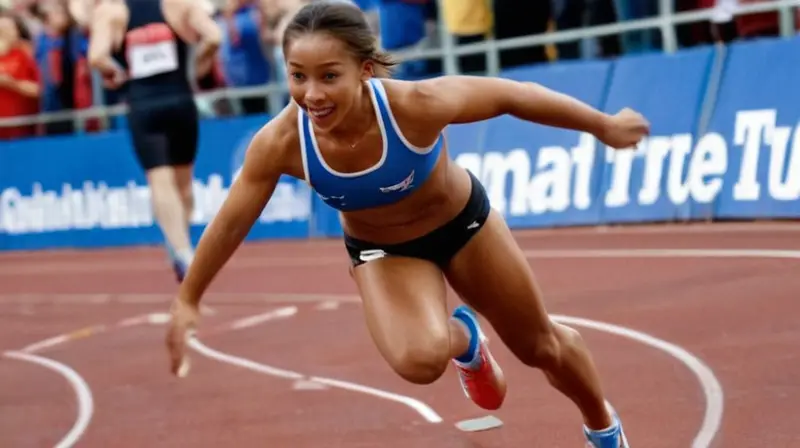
<point>367,70</point>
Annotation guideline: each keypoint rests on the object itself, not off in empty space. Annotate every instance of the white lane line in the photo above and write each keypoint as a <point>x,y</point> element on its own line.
<point>82,392</point>
<point>164,298</point>
<point>421,408</point>
<point>242,362</point>
<point>80,333</point>
<point>251,321</point>
<point>712,390</point>
<point>47,343</point>
<point>94,267</point>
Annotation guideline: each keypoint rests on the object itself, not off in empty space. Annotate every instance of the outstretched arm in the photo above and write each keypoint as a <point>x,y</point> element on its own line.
<point>246,199</point>
<point>466,99</point>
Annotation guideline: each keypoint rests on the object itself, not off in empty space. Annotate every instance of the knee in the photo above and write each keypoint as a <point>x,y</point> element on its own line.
<point>545,349</point>
<point>422,363</point>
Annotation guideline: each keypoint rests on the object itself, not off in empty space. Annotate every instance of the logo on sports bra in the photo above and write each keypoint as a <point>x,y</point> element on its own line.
<point>334,201</point>
<point>151,50</point>
<point>403,185</point>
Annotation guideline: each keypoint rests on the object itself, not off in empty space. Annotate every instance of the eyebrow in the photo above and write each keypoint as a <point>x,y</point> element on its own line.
<point>324,64</point>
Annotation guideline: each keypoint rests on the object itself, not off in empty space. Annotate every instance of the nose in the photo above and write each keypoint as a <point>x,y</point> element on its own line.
<point>315,96</point>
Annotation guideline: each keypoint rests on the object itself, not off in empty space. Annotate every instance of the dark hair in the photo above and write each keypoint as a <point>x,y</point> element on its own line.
<point>345,22</point>
<point>19,23</point>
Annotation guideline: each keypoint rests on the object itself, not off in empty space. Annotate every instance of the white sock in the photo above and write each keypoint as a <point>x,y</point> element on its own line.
<point>185,256</point>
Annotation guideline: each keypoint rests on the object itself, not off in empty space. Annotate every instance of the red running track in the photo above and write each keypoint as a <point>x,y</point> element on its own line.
<point>721,298</point>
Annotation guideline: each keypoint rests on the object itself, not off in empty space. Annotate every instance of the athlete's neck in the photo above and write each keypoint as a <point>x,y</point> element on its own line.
<point>358,120</point>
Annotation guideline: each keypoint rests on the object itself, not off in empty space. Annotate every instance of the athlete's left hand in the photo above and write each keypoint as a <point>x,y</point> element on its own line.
<point>181,327</point>
<point>624,130</point>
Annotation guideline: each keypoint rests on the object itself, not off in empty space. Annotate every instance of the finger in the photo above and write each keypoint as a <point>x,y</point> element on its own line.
<point>183,368</point>
<point>175,346</point>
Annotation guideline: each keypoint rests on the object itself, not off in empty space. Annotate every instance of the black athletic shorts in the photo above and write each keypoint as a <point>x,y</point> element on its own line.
<point>438,246</point>
<point>164,131</point>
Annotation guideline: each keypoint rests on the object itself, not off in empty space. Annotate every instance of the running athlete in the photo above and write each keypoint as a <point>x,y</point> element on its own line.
<point>144,44</point>
<point>413,219</point>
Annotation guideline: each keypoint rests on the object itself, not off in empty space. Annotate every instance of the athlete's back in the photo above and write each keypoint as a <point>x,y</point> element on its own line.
<point>153,54</point>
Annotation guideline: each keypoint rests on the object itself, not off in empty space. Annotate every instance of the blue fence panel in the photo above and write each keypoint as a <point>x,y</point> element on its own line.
<point>538,175</point>
<point>653,183</point>
<point>88,191</point>
<point>756,119</point>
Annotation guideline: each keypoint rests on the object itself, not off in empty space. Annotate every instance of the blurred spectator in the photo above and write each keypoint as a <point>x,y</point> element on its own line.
<point>765,24</point>
<point>469,21</point>
<point>243,56</point>
<point>28,11</point>
<point>61,57</point>
<point>404,25</point>
<point>571,14</point>
<point>510,22</point>
<point>251,54</point>
<point>19,76</point>
<point>643,40</point>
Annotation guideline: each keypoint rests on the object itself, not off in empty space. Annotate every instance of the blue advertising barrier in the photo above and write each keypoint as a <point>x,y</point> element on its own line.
<point>651,183</point>
<point>88,191</point>
<point>533,170</point>
<point>722,146</point>
<point>756,141</point>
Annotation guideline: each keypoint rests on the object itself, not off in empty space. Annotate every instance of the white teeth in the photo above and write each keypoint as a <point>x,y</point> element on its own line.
<point>319,113</point>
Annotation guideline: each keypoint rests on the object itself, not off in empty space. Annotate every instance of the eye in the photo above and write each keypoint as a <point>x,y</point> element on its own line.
<point>330,76</point>
<point>298,76</point>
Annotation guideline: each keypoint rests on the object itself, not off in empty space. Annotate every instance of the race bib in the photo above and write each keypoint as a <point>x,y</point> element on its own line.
<point>151,50</point>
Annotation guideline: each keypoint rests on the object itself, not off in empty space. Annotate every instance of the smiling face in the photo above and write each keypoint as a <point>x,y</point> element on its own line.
<point>325,77</point>
<point>330,51</point>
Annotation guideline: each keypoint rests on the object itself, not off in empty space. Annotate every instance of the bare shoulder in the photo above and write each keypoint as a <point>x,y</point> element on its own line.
<point>458,99</point>
<point>437,101</point>
<point>274,148</point>
<point>416,109</point>
<point>404,95</point>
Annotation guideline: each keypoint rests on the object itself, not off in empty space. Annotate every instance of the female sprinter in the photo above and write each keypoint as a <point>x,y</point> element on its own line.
<point>413,219</point>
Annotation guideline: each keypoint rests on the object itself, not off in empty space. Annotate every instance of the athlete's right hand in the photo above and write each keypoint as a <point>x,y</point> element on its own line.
<point>182,326</point>
<point>624,129</point>
<point>115,78</point>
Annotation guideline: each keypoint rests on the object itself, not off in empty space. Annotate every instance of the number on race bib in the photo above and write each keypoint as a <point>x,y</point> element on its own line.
<point>151,51</point>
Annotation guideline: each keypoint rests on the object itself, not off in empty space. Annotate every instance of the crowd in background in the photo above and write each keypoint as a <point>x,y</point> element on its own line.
<point>43,66</point>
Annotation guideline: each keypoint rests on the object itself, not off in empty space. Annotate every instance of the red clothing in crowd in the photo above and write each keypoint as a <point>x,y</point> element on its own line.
<point>20,65</point>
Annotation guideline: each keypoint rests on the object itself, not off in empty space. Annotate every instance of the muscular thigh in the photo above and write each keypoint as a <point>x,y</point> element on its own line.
<point>491,274</point>
<point>405,306</point>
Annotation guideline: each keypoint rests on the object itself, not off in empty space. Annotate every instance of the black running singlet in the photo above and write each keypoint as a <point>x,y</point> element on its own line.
<point>155,57</point>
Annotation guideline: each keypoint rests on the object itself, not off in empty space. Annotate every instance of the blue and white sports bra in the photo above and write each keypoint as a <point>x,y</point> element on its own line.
<point>401,170</point>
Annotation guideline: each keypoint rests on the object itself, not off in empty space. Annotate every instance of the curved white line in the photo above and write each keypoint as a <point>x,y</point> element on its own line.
<point>712,389</point>
<point>421,408</point>
<point>82,392</point>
